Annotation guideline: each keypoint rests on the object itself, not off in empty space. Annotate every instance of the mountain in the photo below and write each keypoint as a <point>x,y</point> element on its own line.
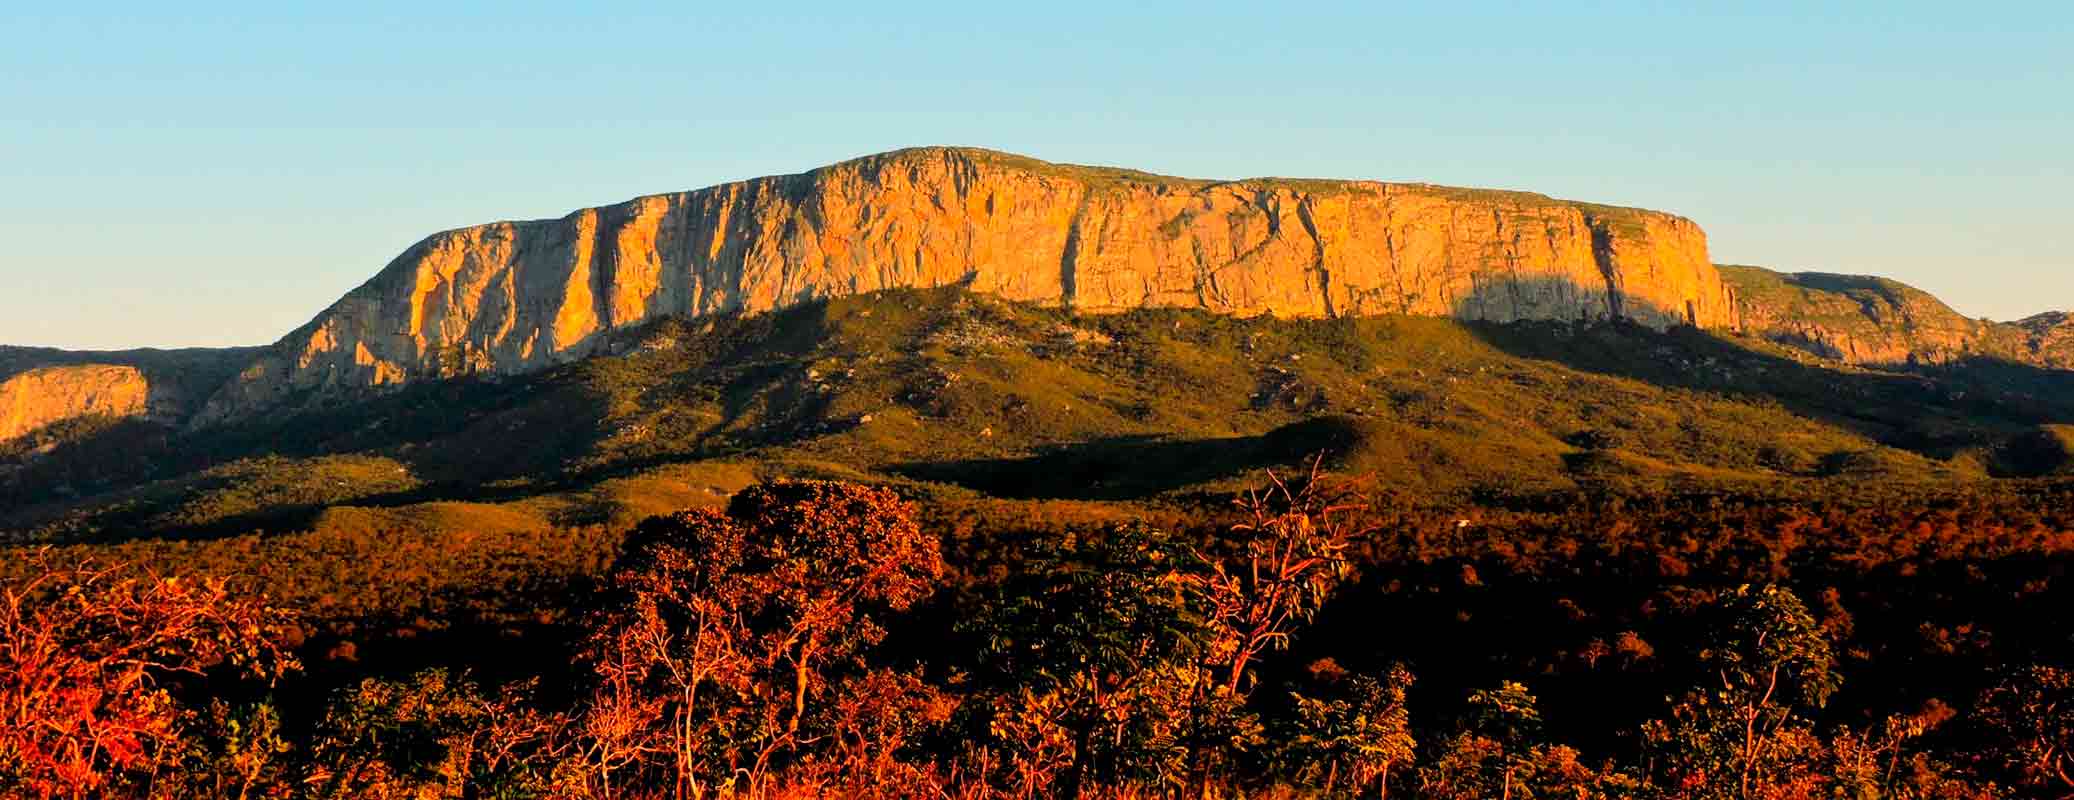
<point>1876,321</point>
<point>964,320</point>
<point>40,387</point>
<point>512,297</point>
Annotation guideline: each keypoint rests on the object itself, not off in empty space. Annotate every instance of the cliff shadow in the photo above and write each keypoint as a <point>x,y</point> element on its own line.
<point>1939,412</point>
<point>1133,467</point>
<point>177,381</point>
<point>676,390</point>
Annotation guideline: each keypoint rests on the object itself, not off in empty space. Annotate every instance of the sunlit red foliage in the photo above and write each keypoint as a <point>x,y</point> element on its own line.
<point>807,642</point>
<point>89,660</point>
<point>719,660</point>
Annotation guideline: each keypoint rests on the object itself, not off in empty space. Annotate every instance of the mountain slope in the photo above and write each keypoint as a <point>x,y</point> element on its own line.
<point>1861,319</point>
<point>950,391</point>
<point>513,297</point>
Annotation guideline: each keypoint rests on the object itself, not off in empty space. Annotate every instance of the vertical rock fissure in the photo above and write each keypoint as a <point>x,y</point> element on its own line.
<point>1602,255</point>
<point>1202,270</point>
<point>1069,258</point>
<point>1310,226</point>
<point>605,275</point>
<point>1509,250</point>
<point>1396,267</point>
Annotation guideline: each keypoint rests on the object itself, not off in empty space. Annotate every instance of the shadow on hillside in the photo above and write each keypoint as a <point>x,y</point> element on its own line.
<point>1938,412</point>
<point>1132,467</point>
<point>177,381</point>
<point>468,439</point>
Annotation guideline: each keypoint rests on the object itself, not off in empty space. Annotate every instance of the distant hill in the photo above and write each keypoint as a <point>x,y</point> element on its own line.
<point>1871,320</point>
<point>41,387</point>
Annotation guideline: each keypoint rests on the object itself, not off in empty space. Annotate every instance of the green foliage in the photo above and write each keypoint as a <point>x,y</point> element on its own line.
<point>1108,604</point>
<point>430,735</point>
<point>243,753</point>
<point>1768,650</point>
<point>1773,664</point>
<point>1096,645</point>
<point>1353,738</point>
<point>1498,751</point>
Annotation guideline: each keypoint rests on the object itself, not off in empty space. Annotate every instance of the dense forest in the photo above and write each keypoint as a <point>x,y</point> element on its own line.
<point>1318,635</point>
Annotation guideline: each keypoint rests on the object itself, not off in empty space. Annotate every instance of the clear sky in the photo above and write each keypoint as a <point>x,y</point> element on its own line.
<point>218,174</point>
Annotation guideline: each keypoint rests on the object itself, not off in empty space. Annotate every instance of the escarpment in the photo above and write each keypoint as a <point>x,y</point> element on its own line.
<point>38,397</point>
<point>41,386</point>
<point>511,297</point>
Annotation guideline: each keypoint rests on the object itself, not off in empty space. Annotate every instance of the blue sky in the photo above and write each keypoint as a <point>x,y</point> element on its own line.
<point>218,175</point>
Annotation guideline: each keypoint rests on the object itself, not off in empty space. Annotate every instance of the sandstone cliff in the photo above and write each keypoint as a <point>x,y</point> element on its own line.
<point>1876,321</point>
<point>39,397</point>
<point>40,386</point>
<point>510,297</point>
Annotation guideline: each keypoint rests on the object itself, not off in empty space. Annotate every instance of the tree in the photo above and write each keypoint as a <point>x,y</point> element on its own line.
<point>1284,561</point>
<point>433,735</point>
<point>1745,736</point>
<point>1363,733</point>
<point>1884,762</point>
<point>728,627</point>
<point>1095,649</point>
<point>1498,753</point>
<point>88,659</point>
<point>1291,554</point>
<point>240,752</point>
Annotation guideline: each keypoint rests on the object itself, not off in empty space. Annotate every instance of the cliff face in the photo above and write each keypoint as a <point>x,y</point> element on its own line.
<point>1876,321</point>
<point>41,385</point>
<point>39,397</point>
<point>515,296</point>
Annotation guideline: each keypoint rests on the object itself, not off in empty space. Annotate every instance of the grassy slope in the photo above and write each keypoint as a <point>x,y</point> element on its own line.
<point>961,396</point>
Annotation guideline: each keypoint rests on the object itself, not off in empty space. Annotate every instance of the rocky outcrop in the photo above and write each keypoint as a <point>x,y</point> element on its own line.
<point>1867,320</point>
<point>515,296</point>
<point>2049,339</point>
<point>1856,319</point>
<point>33,399</point>
<point>175,383</point>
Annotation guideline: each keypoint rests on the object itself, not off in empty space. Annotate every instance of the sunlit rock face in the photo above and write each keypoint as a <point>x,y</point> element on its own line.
<point>40,397</point>
<point>511,297</point>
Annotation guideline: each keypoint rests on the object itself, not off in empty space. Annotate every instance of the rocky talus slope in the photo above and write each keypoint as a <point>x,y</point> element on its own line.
<point>1876,321</point>
<point>39,397</point>
<point>511,297</point>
